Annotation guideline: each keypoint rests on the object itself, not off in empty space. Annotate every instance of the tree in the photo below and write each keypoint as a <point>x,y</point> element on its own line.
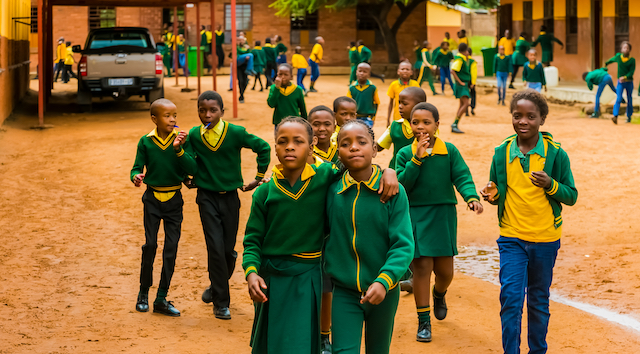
<point>380,14</point>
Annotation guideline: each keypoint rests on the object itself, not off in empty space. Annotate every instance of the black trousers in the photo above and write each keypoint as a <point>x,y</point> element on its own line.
<point>243,80</point>
<point>220,55</point>
<point>59,69</point>
<point>220,214</point>
<point>269,68</point>
<point>472,92</point>
<point>205,57</point>
<point>171,214</point>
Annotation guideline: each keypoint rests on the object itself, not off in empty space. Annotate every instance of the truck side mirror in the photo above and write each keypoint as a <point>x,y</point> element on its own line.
<point>76,49</point>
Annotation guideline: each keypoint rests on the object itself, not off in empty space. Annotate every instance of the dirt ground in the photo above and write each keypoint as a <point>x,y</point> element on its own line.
<point>71,226</point>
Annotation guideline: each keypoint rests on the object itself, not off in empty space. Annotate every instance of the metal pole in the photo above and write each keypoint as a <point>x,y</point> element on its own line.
<point>198,43</point>
<point>186,48</point>
<point>234,58</point>
<point>41,63</point>
<point>214,54</point>
<point>174,43</point>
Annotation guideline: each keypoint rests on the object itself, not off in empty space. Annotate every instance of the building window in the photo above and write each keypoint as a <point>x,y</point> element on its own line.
<point>547,20</point>
<point>622,23</point>
<point>34,19</point>
<point>367,27</point>
<point>304,27</point>
<point>243,21</point>
<point>102,17</point>
<point>571,43</point>
<point>527,18</point>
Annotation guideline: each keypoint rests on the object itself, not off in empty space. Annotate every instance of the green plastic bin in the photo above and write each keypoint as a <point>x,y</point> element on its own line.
<point>193,61</point>
<point>488,56</point>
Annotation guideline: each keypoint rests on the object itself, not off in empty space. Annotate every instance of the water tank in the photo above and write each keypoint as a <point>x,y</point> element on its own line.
<point>551,75</point>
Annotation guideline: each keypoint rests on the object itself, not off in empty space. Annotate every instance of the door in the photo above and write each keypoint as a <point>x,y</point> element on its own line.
<point>596,35</point>
<point>506,20</point>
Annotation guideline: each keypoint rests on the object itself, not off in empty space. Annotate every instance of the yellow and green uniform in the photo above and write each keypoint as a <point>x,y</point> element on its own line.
<point>452,43</point>
<point>502,64</point>
<point>546,44</point>
<point>164,172</point>
<point>270,53</point>
<point>369,242</point>
<point>299,62</point>
<point>442,58</point>
<point>399,134</point>
<point>464,40</point>
<point>508,44</point>
<point>212,156</point>
<point>418,52</point>
<point>394,93</point>
<point>473,70</point>
<point>354,60</point>
<point>462,68</point>
<point>525,211</point>
<point>366,97</point>
<point>316,53</point>
<point>626,65</point>
<point>286,101</point>
<point>429,181</point>
<point>426,66</point>
<point>170,40</point>
<point>364,53</point>
<point>259,60</point>
<point>328,156</point>
<point>283,244</point>
<point>520,55</point>
<point>219,38</point>
<point>205,40</point>
<point>281,49</point>
<point>533,73</point>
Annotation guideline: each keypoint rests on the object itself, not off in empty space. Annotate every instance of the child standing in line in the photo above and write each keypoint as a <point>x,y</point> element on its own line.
<point>502,68</point>
<point>530,180</point>
<point>300,63</point>
<point>429,170</point>
<point>365,94</point>
<point>626,69</point>
<point>258,65</point>
<point>473,69</point>
<point>533,73</point>
<point>601,78</point>
<point>162,201</point>
<point>271,67</point>
<point>404,81</point>
<point>442,58</point>
<point>399,133</point>
<point>462,75</point>
<point>417,49</point>
<point>323,122</point>
<point>519,57</point>
<point>345,109</point>
<point>285,97</point>
<point>364,256</point>
<point>211,155</point>
<point>426,67</point>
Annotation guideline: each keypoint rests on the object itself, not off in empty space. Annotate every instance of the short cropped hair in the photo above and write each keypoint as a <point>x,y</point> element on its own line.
<point>318,109</point>
<point>339,100</point>
<point>534,97</point>
<point>298,120</point>
<point>360,124</point>
<point>424,106</point>
<point>211,95</point>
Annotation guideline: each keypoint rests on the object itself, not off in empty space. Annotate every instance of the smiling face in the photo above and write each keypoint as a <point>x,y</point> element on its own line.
<point>165,118</point>
<point>356,148</point>
<point>405,71</point>
<point>423,122</point>
<point>293,146</point>
<point>526,119</point>
<point>209,112</point>
<point>323,125</point>
<point>406,103</point>
<point>285,76</point>
<point>346,111</point>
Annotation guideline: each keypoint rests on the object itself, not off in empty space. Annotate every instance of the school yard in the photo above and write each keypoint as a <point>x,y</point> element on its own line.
<point>72,229</point>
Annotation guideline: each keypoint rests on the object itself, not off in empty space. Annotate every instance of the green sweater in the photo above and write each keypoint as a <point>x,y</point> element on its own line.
<point>626,69</point>
<point>218,168</point>
<point>430,180</point>
<point>520,53</point>
<point>364,97</point>
<point>281,48</point>
<point>354,56</point>
<point>219,38</point>
<point>533,75</point>
<point>289,103</point>
<point>595,77</point>
<point>369,241</point>
<point>502,65</point>
<point>164,172</point>
<point>440,59</point>
<point>557,166</point>
<point>269,53</point>
<point>400,139</point>
<point>546,44</point>
<point>365,54</point>
<point>258,59</point>
<point>288,221</point>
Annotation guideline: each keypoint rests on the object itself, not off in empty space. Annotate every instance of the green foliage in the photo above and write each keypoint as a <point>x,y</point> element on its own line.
<point>474,4</point>
<point>479,42</point>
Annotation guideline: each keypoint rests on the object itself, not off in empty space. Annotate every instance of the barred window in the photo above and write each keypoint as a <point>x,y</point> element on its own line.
<point>34,19</point>
<point>244,21</point>
<point>102,17</point>
<point>571,43</point>
<point>304,27</point>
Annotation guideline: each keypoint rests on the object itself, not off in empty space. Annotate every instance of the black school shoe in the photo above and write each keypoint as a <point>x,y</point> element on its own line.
<point>165,307</point>
<point>455,129</point>
<point>439,305</point>
<point>614,119</point>
<point>424,332</point>
<point>221,313</point>
<point>207,296</point>
<point>142,305</point>
<point>325,346</point>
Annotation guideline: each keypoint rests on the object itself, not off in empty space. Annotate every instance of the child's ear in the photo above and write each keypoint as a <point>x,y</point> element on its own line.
<point>154,119</point>
<point>374,146</point>
<point>222,114</point>
<point>314,141</point>
<point>544,118</point>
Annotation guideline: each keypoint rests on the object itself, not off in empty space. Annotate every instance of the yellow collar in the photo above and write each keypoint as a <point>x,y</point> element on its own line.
<point>543,33</point>
<point>162,143</point>
<point>521,38</point>
<point>501,56</point>
<point>268,45</point>
<point>373,183</point>
<point>444,51</point>
<point>326,155</point>
<point>219,32</point>
<point>218,128</point>
<point>533,66</point>
<point>360,48</point>
<point>424,50</point>
<point>307,173</point>
<point>622,57</point>
<point>439,148</point>
<point>362,87</point>
<point>257,47</point>
<point>353,49</point>
<point>288,90</point>
<point>319,161</point>
<point>462,57</point>
<point>203,31</point>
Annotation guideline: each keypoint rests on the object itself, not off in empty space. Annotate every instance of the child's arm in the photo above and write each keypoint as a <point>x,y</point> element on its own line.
<point>263,150</point>
<point>253,238</point>
<point>274,94</point>
<point>554,39</point>
<point>408,164</point>
<point>385,140</point>
<point>302,106</point>
<point>389,111</point>
<point>462,179</point>
<point>631,71</point>
<point>376,102</point>
<point>611,60</point>
<point>495,65</point>
<point>563,189</point>
<point>186,155</point>
<point>544,79</point>
<point>137,172</point>
<point>524,72</point>
<point>455,77</point>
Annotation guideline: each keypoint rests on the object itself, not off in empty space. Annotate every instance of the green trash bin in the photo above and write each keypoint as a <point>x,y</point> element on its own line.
<point>193,60</point>
<point>488,56</point>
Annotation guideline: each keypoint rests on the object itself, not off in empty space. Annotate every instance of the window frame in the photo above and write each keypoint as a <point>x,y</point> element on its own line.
<point>305,21</point>
<point>548,15</point>
<point>227,31</point>
<point>34,20</point>
<point>621,23</point>
<point>366,22</point>
<point>95,17</point>
<point>571,40</point>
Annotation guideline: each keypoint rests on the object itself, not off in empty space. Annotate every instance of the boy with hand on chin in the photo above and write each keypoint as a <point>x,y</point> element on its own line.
<point>285,97</point>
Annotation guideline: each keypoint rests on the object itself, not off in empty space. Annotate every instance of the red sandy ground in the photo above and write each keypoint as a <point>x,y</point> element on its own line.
<point>71,226</point>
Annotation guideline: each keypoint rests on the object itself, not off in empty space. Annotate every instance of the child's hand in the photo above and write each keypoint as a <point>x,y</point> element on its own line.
<point>423,144</point>
<point>540,179</point>
<point>137,179</point>
<point>622,79</point>
<point>476,206</point>
<point>489,192</point>
<point>389,185</point>
<point>472,86</point>
<point>278,82</point>
<point>252,185</point>
<point>179,140</point>
<point>256,284</point>
<point>375,294</point>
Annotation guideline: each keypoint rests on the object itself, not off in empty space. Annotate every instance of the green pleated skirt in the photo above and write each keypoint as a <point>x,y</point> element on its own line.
<point>289,322</point>
<point>461,91</point>
<point>435,229</point>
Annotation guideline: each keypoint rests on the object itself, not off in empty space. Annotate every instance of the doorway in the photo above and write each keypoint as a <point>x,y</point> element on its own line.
<point>596,34</point>
<point>505,19</point>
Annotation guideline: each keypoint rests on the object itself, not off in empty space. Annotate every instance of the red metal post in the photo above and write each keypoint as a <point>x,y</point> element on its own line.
<point>234,58</point>
<point>186,47</point>
<point>214,54</point>
<point>199,54</point>
<point>174,43</point>
<point>41,62</point>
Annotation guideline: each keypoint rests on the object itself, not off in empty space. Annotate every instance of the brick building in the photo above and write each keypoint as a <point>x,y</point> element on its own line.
<point>591,30</point>
<point>256,19</point>
<point>14,54</point>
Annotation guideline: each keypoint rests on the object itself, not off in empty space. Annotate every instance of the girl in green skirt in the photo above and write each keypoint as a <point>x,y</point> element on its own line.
<point>429,169</point>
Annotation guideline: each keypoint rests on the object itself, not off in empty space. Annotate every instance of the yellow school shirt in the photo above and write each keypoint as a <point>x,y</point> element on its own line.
<point>316,53</point>
<point>385,140</point>
<point>527,212</point>
<point>394,93</point>
<point>68,59</point>
<point>208,34</point>
<point>299,62</point>
<point>508,44</point>
<point>452,43</point>
<point>473,68</point>
<point>464,40</point>
<point>214,134</point>
<point>61,52</point>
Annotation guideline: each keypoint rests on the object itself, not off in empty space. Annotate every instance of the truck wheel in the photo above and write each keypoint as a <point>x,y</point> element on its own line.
<point>155,94</point>
<point>84,101</point>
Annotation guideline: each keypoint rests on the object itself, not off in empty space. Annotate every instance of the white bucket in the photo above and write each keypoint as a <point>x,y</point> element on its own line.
<point>551,75</point>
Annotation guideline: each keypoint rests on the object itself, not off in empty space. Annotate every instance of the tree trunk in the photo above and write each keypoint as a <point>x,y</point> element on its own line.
<point>389,34</point>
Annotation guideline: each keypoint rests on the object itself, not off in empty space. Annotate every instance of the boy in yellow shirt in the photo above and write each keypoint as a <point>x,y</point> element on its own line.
<point>68,64</point>
<point>404,80</point>
<point>300,63</point>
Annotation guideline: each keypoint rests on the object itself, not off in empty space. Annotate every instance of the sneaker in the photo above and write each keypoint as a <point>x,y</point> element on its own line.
<point>407,285</point>
<point>595,115</point>
<point>435,94</point>
<point>503,103</point>
<point>325,346</point>
<point>439,305</point>
<point>207,295</point>
<point>466,113</point>
<point>455,129</point>
<point>614,119</point>
<point>313,90</point>
<point>241,100</point>
<point>424,332</point>
<point>628,120</point>
<point>511,86</point>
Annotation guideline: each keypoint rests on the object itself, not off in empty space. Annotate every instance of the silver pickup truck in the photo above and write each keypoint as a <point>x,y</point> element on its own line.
<point>119,62</point>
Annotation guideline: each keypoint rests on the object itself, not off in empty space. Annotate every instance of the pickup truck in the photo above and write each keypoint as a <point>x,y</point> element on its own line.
<point>119,62</point>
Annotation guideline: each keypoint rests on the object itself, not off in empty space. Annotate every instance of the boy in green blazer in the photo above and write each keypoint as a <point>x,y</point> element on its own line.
<point>285,97</point>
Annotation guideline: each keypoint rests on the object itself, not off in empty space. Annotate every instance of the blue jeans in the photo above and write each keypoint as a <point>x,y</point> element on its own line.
<point>502,84</point>
<point>445,73</point>
<point>526,268</point>
<point>535,86</point>
<point>315,70</point>
<point>248,58</point>
<point>628,85</point>
<point>606,81</point>
<point>366,120</point>
<point>300,76</point>
<point>281,59</point>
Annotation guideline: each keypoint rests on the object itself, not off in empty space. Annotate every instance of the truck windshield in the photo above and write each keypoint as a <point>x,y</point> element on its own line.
<point>114,39</point>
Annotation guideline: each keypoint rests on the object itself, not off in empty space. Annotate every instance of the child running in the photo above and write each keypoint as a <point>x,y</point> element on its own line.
<point>530,179</point>
<point>300,63</point>
<point>259,62</point>
<point>162,201</point>
<point>426,67</point>
<point>601,78</point>
<point>462,75</point>
<point>429,170</point>
<point>365,94</point>
<point>211,155</point>
<point>502,68</point>
<point>285,97</point>
<point>626,69</point>
<point>533,73</point>
<point>399,133</point>
<point>442,58</point>
<point>404,81</point>
<point>283,244</point>
<point>473,69</point>
<point>365,256</point>
<point>519,57</point>
<point>323,122</point>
